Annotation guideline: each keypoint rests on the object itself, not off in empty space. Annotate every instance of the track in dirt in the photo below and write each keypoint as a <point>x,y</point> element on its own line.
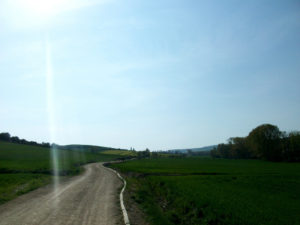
<point>88,199</point>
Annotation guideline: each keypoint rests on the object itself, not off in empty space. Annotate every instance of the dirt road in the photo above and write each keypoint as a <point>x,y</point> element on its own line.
<point>88,199</point>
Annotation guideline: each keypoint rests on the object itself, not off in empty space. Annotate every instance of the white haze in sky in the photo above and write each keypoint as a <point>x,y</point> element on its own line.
<point>148,74</point>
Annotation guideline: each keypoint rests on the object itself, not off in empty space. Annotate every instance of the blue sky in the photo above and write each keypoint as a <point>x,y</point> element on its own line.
<point>155,74</point>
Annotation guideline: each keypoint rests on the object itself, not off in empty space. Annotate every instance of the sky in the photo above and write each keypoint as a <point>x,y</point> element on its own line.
<point>148,74</point>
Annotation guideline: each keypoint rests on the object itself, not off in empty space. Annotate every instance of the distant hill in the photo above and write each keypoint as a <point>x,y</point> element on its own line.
<point>86,148</point>
<point>6,137</point>
<point>202,149</point>
<point>96,149</point>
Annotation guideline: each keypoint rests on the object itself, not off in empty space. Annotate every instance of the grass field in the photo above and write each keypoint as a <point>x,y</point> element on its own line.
<point>119,152</point>
<point>24,167</point>
<point>215,191</point>
<point>33,159</point>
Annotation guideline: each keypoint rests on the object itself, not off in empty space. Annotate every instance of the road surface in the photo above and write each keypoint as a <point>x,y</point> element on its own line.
<point>87,199</point>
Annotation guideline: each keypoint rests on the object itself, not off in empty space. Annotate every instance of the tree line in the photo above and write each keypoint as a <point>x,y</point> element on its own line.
<point>264,142</point>
<point>14,139</point>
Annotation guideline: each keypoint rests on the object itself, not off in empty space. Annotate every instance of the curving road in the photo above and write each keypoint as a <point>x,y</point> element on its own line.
<point>88,199</point>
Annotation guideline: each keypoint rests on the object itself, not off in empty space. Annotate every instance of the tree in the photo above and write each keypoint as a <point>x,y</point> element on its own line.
<point>239,148</point>
<point>144,154</point>
<point>147,153</point>
<point>224,150</point>
<point>264,141</point>
<point>291,147</point>
<point>214,153</point>
<point>4,136</point>
<point>15,139</point>
<point>189,152</point>
<point>154,155</point>
<point>47,145</point>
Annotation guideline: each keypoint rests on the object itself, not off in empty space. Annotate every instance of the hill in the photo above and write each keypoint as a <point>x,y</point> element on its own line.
<point>24,167</point>
<point>86,148</point>
<point>185,150</point>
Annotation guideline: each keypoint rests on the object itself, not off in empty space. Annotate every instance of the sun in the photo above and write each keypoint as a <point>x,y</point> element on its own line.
<point>44,8</point>
<point>31,13</point>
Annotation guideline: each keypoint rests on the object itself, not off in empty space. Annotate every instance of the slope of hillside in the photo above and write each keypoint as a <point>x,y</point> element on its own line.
<point>26,167</point>
<point>202,149</point>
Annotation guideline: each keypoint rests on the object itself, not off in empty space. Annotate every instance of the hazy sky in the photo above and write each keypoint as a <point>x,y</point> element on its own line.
<point>156,74</point>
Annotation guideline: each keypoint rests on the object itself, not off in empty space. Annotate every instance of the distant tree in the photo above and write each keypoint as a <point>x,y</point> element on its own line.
<point>140,154</point>
<point>4,136</point>
<point>214,153</point>
<point>239,148</point>
<point>46,144</point>
<point>33,143</point>
<point>54,146</point>
<point>15,139</point>
<point>224,150</point>
<point>144,154</point>
<point>265,141</point>
<point>189,152</point>
<point>154,154</point>
<point>23,141</point>
<point>147,153</point>
<point>291,147</point>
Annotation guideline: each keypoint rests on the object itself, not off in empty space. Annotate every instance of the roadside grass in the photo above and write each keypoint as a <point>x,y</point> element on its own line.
<point>24,167</point>
<point>215,191</point>
<point>13,185</point>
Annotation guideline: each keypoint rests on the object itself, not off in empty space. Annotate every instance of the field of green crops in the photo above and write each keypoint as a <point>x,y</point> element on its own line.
<point>119,152</point>
<point>24,167</point>
<point>215,191</point>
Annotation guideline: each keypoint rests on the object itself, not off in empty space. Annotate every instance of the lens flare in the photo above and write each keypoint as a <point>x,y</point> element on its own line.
<point>51,114</point>
<point>43,8</point>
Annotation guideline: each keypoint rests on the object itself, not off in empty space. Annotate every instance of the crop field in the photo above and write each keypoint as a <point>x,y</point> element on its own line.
<point>119,152</point>
<point>24,167</point>
<point>199,190</point>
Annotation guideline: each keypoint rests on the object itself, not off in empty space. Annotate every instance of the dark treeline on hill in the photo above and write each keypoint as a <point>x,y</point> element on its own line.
<point>14,139</point>
<point>264,142</point>
<point>84,148</point>
<point>80,148</point>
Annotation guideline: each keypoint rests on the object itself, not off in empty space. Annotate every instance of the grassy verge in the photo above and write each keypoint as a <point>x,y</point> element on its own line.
<point>13,185</point>
<point>215,191</point>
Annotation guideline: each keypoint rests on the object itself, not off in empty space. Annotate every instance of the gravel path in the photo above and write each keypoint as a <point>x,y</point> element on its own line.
<point>88,199</point>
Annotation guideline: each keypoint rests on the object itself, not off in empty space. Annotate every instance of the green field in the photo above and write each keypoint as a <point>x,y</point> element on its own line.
<point>24,167</point>
<point>215,191</point>
<point>119,152</point>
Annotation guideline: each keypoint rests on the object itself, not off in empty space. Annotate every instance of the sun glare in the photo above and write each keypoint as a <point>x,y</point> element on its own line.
<point>30,13</point>
<point>43,8</point>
